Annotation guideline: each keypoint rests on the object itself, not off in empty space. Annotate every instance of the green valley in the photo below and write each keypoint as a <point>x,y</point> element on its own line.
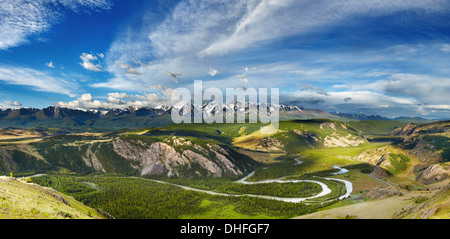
<point>228,170</point>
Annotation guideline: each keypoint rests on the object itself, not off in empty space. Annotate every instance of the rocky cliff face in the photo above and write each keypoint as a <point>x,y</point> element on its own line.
<point>404,131</point>
<point>162,158</point>
<point>429,142</point>
<point>414,129</point>
<point>171,157</point>
<point>434,173</point>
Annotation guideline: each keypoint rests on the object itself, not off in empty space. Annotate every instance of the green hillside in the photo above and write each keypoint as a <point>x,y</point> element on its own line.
<point>22,200</point>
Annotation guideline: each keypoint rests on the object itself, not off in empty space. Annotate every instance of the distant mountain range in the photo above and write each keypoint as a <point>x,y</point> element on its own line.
<point>131,117</point>
<point>361,116</point>
<point>65,117</point>
<point>159,116</point>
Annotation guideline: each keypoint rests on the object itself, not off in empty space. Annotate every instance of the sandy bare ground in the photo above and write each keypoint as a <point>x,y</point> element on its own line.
<point>380,209</point>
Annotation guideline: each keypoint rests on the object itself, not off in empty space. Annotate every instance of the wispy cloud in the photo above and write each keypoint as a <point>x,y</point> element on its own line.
<point>21,19</point>
<point>175,76</point>
<point>270,19</point>
<point>242,78</point>
<point>36,80</point>
<point>195,34</point>
<point>130,68</point>
<point>307,87</point>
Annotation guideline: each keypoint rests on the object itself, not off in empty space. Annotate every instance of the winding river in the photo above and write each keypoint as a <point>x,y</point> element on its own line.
<point>325,189</point>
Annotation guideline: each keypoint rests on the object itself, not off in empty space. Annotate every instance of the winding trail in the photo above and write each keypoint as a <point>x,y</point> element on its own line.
<point>371,175</point>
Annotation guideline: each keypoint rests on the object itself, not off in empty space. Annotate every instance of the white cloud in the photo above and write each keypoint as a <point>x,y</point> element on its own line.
<point>130,68</point>
<point>426,89</point>
<point>119,95</point>
<point>118,100</point>
<point>85,98</point>
<point>50,64</point>
<point>307,87</point>
<point>37,80</point>
<point>266,20</point>
<point>21,19</point>
<point>438,107</point>
<point>376,74</point>
<point>242,78</point>
<point>351,101</point>
<point>445,48</point>
<point>87,62</point>
<point>14,104</point>
<point>212,71</point>
<point>174,76</point>
<point>199,33</point>
<point>403,93</point>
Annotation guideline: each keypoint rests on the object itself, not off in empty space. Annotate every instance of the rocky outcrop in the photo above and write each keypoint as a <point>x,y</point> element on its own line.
<point>161,158</point>
<point>327,124</point>
<point>91,160</point>
<point>382,193</point>
<point>269,144</point>
<point>426,152</point>
<point>429,142</point>
<point>404,131</point>
<point>433,173</point>
<point>335,140</point>
<point>426,207</point>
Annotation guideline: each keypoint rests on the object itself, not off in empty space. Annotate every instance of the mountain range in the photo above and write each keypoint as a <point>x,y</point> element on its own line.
<point>159,116</point>
<point>123,118</point>
<point>361,116</point>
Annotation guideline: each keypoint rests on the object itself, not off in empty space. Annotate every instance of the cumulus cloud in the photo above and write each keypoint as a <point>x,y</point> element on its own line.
<point>87,62</point>
<point>36,80</point>
<point>117,100</point>
<point>13,104</point>
<point>85,98</point>
<point>22,19</point>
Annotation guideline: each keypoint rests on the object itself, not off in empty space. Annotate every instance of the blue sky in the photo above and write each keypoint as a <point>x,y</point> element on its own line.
<point>375,57</point>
